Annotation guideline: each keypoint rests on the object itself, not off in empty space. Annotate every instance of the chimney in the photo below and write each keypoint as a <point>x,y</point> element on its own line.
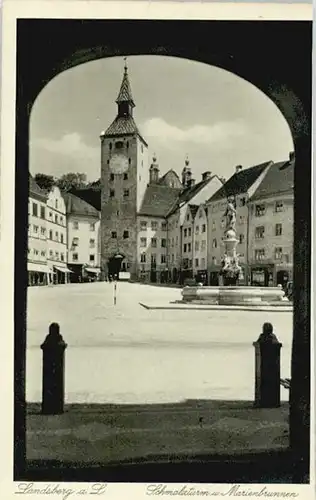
<point>206,175</point>
<point>292,156</point>
<point>238,168</point>
<point>154,171</point>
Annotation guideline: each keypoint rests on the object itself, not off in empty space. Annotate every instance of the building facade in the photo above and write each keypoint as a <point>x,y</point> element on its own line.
<point>200,240</point>
<point>240,186</point>
<point>83,239</point>
<point>57,236</point>
<point>271,226</point>
<point>38,270</point>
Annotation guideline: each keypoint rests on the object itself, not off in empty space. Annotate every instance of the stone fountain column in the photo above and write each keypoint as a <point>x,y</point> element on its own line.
<point>231,270</point>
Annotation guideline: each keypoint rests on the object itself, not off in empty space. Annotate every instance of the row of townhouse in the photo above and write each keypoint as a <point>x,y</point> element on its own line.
<point>63,237</point>
<point>186,241</point>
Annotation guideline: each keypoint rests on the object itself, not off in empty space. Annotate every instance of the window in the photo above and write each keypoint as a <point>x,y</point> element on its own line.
<point>51,253</point>
<point>62,258</point>
<point>92,243</point>
<point>34,209</point>
<point>241,238</point>
<point>119,145</point>
<point>112,193</point>
<point>154,242</point>
<point>126,193</point>
<point>259,232</point>
<point>200,214</point>
<point>260,254</point>
<point>177,240</point>
<point>203,228</point>
<point>260,210</point>
<point>127,144</point>
<point>91,257</point>
<point>196,262</point>
<point>214,261</point>
<point>172,258</point>
<point>185,233</point>
<point>143,257</point>
<point>242,202</point>
<point>172,242</point>
<point>57,255</point>
<point>154,225</point>
<point>125,235</point>
<point>61,220</point>
<point>163,259</point>
<point>129,161</point>
<point>143,242</point>
<point>143,225</point>
<point>43,230</point>
<point>56,219</point>
<point>56,236</point>
<point>35,229</point>
<point>223,223</point>
<point>153,258</point>
<point>189,247</point>
<point>203,245</point>
<point>113,234</point>
<point>185,248</point>
<point>112,177</point>
<point>163,242</point>
<point>50,234</point>
<point>51,214</point>
<point>141,148</point>
<point>213,226</point>
<point>125,177</point>
<point>56,203</point>
<point>163,226</point>
<point>214,243</point>
<point>197,230</point>
<point>75,242</point>
<point>110,145</point>
<point>203,262</point>
<point>190,263</point>
<point>43,253</point>
<point>278,229</point>
<point>42,212</point>
<point>279,206</point>
<point>92,226</point>
<point>35,252</point>
<point>188,217</point>
<point>61,238</point>
<point>75,224</point>
<point>278,253</point>
<point>196,246</point>
<point>189,231</point>
<point>74,256</point>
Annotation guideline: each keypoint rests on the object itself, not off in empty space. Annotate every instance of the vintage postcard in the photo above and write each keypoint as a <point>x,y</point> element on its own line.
<point>156,180</point>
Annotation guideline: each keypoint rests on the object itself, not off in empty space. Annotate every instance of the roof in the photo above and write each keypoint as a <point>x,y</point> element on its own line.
<point>125,93</point>
<point>35,190</point>
<point>240,182</point>
<point>189,192</point>
<point>170,172</point>
<point>77,206</point>
<point>279,179</point>
<point>91,196</point>
<point>158,200</point>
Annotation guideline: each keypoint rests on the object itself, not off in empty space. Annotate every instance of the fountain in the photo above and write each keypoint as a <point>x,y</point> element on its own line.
<point>230,293</point>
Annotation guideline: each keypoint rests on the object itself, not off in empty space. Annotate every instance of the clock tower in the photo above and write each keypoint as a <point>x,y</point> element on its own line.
<point>124,178</point>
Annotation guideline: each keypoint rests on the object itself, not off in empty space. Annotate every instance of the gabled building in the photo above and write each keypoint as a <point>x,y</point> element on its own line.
<point>83,242</point>
<point>271,226</point>
<point>38,270</point>
<point>241,186</point>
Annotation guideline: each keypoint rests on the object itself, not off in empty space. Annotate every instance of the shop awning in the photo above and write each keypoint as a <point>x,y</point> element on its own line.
<point>63,269</point>
<point>38,268</point>
<point>92,270</point>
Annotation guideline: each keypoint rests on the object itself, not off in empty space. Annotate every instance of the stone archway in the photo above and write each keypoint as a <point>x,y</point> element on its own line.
<point>281,69</point>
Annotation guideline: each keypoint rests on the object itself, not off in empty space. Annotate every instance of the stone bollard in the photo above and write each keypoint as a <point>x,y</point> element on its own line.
<point>267,369</point>
<point>53,389</point>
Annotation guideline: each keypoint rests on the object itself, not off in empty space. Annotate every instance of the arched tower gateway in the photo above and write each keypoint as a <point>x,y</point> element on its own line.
<point>124,178</point>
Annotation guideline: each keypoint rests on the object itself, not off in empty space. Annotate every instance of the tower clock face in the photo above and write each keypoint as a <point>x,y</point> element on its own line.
<point>118,164</point>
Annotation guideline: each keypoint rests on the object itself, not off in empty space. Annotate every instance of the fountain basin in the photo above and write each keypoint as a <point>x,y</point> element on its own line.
<point>234,295</point>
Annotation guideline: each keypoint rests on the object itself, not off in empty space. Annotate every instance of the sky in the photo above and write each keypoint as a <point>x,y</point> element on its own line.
<point>183,108</point>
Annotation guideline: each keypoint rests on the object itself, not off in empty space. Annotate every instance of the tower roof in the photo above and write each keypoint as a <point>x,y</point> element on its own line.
<point>125,93</point>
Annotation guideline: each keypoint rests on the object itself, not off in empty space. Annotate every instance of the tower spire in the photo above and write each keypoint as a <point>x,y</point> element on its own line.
<point>125,97</point>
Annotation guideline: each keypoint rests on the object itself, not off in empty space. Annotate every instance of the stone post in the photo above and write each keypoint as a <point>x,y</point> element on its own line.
<point>53,388</point>
<point>267,369</point>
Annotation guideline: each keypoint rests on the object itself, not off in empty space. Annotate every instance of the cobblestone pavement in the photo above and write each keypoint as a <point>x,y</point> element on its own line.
<point>127,354</point>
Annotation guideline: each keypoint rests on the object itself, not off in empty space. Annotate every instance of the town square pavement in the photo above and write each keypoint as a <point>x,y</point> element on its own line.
<point>125,353</point>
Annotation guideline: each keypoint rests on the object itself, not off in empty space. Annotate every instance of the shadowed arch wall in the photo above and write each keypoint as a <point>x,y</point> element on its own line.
<point>273,56</point>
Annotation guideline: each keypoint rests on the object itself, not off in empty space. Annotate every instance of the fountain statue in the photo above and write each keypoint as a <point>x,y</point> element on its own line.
<point>231,270</point>
<point>230,292</point>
